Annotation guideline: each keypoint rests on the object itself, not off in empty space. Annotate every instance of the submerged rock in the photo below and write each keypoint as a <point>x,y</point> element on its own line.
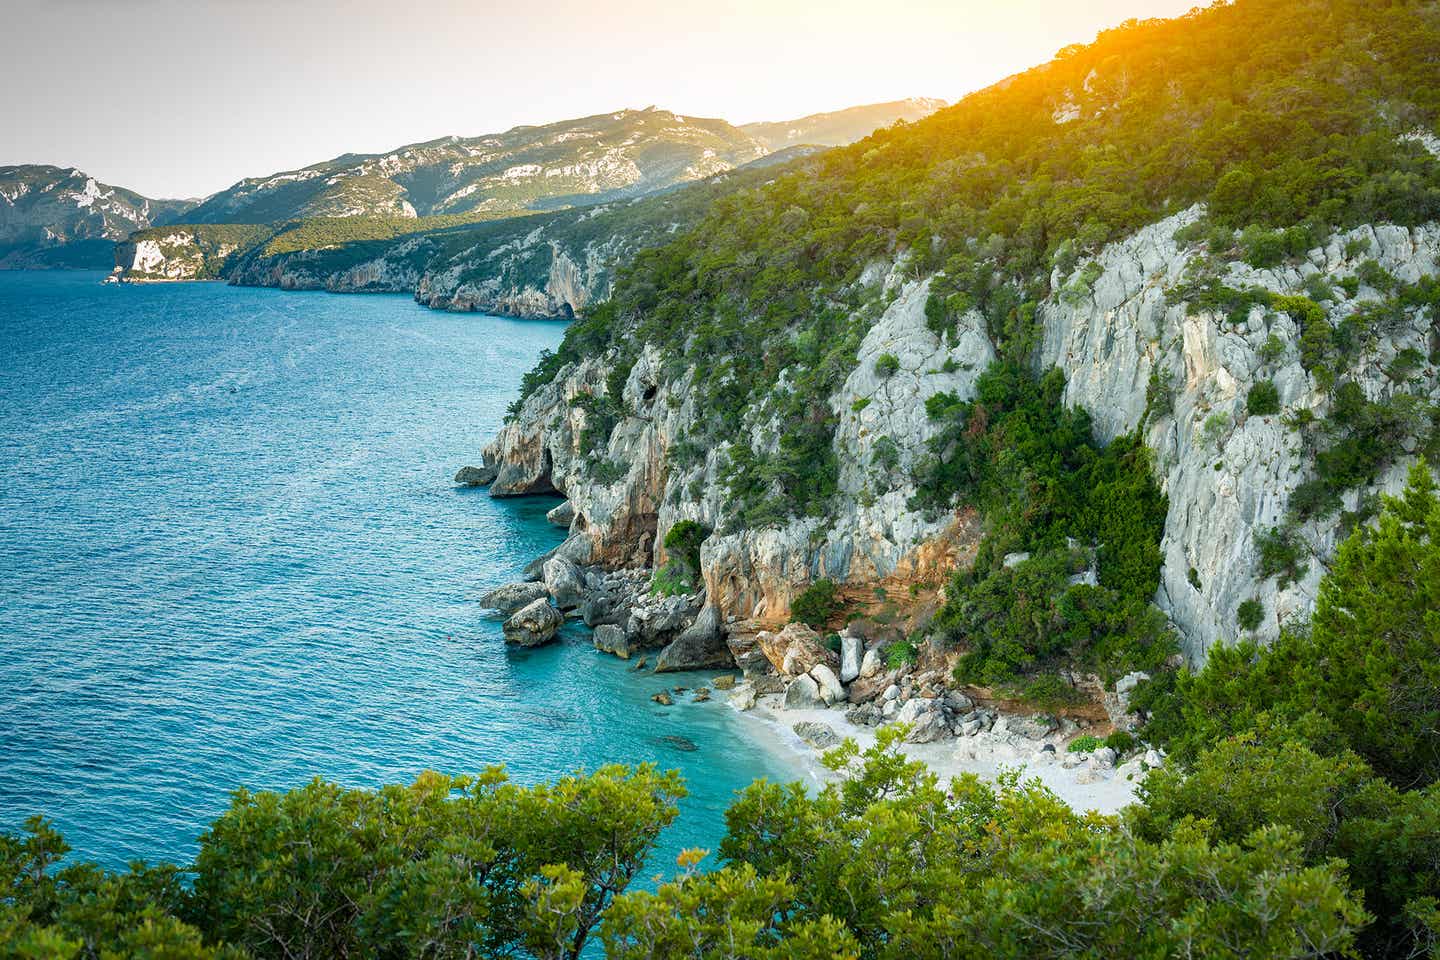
<point>533,624</point>
<point>512,596</point>
<point>680,743</point>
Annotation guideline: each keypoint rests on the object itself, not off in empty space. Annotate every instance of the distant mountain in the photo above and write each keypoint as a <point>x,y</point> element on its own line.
<point>610,156</point>
<point>61,217</point>
<point>842,126</point>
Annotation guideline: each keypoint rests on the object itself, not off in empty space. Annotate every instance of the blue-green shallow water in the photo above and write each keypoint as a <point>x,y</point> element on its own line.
<point>231,554</point>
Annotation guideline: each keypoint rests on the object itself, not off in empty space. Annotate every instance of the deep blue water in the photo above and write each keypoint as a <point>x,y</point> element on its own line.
<point>231,554</point>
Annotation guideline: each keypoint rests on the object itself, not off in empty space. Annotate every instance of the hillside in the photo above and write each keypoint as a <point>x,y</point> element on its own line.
<point>591,159</point>
<point>1116,350</point>
<point>841,127</point>
<point>55,217</point>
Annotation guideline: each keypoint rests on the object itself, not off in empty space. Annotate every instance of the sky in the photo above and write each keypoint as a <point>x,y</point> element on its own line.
<point>181,98</point>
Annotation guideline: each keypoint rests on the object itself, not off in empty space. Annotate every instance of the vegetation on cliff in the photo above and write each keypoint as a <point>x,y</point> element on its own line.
<point>1056,504</point>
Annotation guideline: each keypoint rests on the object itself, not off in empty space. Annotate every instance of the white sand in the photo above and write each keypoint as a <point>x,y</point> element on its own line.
<point>947,758</point>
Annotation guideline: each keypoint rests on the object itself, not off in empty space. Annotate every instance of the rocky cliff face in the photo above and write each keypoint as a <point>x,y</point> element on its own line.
<point>1229,475</point>
<point>182,252</point>
<point>57,217</point>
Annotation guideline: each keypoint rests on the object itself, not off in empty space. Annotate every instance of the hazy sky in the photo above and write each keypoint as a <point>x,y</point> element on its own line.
<point>184,97</point>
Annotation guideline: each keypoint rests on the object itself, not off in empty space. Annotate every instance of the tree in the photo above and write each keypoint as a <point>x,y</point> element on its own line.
<point>885,863</point>
<point>447,866</point>
<point>1375,635</point>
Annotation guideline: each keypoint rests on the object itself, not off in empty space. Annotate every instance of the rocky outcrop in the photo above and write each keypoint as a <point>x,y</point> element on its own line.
<point>1229,476</point>
<point>475,476</point>
<point>533,624</point>
<point>700,646</point>
<point>512,596</point>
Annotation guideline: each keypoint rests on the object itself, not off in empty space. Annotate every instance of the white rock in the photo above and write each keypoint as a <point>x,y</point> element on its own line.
<point>803,693</point>
<point>830,689</point>
<point>851,649</point>
<point>871,664</point>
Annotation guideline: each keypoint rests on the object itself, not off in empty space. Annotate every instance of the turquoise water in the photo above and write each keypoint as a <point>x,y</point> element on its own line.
<point>231,554</point>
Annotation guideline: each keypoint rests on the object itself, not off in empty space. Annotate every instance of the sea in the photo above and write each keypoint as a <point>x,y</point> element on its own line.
<point>232,555</point>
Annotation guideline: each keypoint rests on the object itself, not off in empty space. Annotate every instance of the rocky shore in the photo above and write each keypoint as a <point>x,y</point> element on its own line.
<point>810,691</point>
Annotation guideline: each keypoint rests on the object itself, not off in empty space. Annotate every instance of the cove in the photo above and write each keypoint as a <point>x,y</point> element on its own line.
<point>232,555</point>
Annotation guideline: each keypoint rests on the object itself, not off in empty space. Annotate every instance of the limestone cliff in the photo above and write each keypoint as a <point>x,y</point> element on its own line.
<point>1229,475</point>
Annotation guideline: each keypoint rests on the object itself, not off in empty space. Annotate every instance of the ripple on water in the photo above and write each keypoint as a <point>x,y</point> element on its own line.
<point>232,555</point>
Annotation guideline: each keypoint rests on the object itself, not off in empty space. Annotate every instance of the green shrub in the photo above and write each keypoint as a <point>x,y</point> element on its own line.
<point>887,365</point>
<point>900,653</point>
<point>1085,744</point>
<point>1272,349</point>
<point>674,579</point>
<point>1249,614</point>
<point>1263,399</point>
<point>684,538</point>
<point>814,605</point>
<point>1281,555</point>
<point>1121,741</point>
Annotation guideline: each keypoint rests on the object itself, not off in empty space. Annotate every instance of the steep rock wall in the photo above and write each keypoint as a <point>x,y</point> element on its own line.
<point>1225,485</point>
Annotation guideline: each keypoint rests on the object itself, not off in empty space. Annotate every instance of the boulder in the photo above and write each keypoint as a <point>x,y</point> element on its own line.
<point>850,653</point>
<point>598,608</point>
<point>819,735</point>
<point>803,693</point>
<point>958,702</point>
<point>476,476</point>
<point>749,657</point>
<point>912,710</point>
<point>663,698</point>
<point>512,596</point>
<point>562,515</point>
<point>767,684</point>
<point>533,624</point>
<point>564,581</point>
<point>871,665</point>
<point>866,715</point>
<point>659,619</point>
<point>700,646</point>
<point>1104,757</point>
<point>743,698</point>
<point>892,692</point>
<point>1013,560</point>
<point>830,689</point>
<point>726,681</point>
<point>795,649</point>
<point>535,569</point>
<point>928,728</point>
<point>1036,727</point>
<point>609,638</point>
<point>867,688</point>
